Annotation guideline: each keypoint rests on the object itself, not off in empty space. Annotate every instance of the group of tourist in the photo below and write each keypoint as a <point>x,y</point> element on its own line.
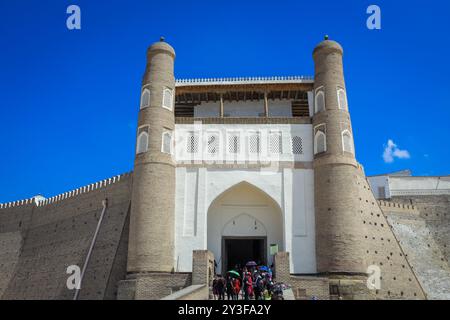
<point>247,282</point>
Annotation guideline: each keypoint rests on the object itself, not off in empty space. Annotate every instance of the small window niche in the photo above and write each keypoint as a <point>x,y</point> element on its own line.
<point>167,101</point>
<point>254,143</point>
<point>234,143</point>
<point>319,100</point>
<point>145,98</point>
<point>297,145</point>
<point>142,140</point>
<point>213,143</point>
<point>320,139</point>
<point>275,143</point>
<point>347,143</point>
<point>192,142</point>
<point>342,99</point>
<point>166,146</point>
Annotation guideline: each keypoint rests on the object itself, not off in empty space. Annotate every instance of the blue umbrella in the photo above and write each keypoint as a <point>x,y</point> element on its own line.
<point>264,268</point>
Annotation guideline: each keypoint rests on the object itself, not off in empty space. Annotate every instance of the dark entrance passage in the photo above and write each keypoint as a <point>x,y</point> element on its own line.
<point>240,250</point>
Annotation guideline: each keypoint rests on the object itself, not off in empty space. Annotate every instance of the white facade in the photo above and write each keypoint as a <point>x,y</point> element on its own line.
<point>408,185</point>
<point>380,187</point>
<point>273,198</point>
<point>191,143</point>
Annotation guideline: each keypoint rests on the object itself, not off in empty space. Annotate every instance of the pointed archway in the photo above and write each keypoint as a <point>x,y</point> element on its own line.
<point>243,221</point>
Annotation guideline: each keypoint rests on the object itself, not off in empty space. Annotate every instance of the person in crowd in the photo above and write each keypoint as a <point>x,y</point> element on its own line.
<point>236,288</point>
<point>248,286</point>
<point>221,287</point>
<point>229,287</point>
<point>269,283</point>
<point>258,286</point>
<point>266,295</point>
<point>214,287</point>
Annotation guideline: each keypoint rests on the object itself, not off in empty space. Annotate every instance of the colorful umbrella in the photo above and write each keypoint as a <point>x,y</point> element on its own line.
<point>234,273</point>
<point>251,264</point>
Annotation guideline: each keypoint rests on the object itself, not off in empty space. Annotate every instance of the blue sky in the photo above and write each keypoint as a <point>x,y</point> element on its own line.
<point>69,99</point>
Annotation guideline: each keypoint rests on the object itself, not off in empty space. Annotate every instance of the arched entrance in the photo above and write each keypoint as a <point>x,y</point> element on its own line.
<point>243,222</point>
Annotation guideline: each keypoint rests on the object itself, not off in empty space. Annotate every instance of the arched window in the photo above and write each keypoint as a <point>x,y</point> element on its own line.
<point>297,145</point>
<point>254,143</point>
<point>347,144</point>
<point>192,142</point>
<point>319,100</point>
<point>342,99</point>
<point>166,142</point>
<point>142,142</point>
<point>233,143</point>
<point>167,99</point>
<point>145,99</point>
<point>320,142</point>
<point>275,143</point>
<point>213,143</point>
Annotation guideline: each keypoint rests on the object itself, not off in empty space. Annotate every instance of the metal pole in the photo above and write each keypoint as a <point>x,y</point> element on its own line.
<point>86,262</point>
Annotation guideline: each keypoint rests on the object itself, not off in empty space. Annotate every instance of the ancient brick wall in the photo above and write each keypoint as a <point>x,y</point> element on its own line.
<point>14,222</point>
<point>435,211</point>
<point>57,233</point>
<point>398,280</point>
<point>193,292</point>
<point>307,287</point>
<point>424,235</point>
<point>10,247</point>
<point>183,286</point>
<point>303,287</point>
<point>152,286</point>
<point>202,267</point>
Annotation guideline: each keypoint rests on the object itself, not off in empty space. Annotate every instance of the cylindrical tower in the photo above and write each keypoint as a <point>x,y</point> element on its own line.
<point>339,247</point>
<point>151,238</point>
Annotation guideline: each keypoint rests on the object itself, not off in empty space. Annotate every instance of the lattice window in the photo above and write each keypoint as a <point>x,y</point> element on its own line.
<point>167,99</point>
<point>275,143</point>
<point>319,101</point>
<point>297,145</point>
<point>213,143</point>
<point>142,142</point>
<point>320,142</point>
<point>145,98</point>
<point>192,143</point>
<point>347,141</point>
<point>342,99</point>
<point>233,143</point>
<point>167,142</point>
<point>254,143</point>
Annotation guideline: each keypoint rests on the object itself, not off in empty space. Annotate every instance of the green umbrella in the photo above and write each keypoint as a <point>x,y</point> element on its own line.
<point>235,273</point>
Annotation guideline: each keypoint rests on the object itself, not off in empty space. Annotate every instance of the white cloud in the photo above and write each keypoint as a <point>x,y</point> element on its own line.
<point>391,151</point>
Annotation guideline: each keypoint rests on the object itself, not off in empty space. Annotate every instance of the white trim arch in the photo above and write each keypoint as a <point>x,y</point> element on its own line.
<point>342,99</point>
<point>244,211</point>
<point>319,100</point>
<point>320,135</point>
<point>167,100</point>
<point>166,142</point>
<point>260,184</point>
<point>225,232</point>
<point>145,99</point>
<point>347,141</point>
<point>142,143</point>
